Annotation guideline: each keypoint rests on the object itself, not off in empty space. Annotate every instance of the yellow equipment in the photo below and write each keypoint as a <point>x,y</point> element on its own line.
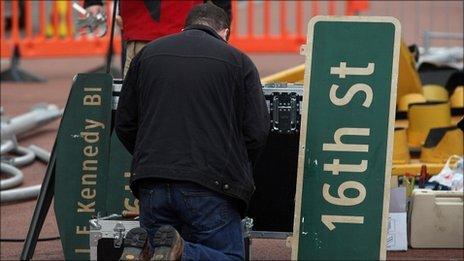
<point>441,143</point>
<point>457,99</point>
<point>410,98</point>
<point>435,93</point>
<point>400,147</point>
<point>408,78</point>
<point>293,75</point>
<point>424,116</point>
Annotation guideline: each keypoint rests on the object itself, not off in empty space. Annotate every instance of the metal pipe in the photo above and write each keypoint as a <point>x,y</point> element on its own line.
<point>26,158</point>
<point>441,56</point>
<point>19,193</point>
<point>40,153</point>
<point>428,35</point>
<point>33,119</point>
<point>15,180</point>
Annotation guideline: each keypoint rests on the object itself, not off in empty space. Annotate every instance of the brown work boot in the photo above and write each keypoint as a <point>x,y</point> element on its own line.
<point>169,245</point>
<point>146,253</point>
<point>134,243</point>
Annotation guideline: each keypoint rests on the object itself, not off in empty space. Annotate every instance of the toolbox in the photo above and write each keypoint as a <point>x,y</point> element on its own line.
<point>436,219</point>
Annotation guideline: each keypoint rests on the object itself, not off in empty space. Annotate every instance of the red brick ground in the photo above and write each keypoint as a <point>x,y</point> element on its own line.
<point>18,98</point>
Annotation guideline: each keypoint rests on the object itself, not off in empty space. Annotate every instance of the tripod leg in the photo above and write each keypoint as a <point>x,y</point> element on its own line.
<point>41,209</point>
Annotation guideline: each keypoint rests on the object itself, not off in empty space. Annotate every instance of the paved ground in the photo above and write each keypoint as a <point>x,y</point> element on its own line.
<point>18,98</point>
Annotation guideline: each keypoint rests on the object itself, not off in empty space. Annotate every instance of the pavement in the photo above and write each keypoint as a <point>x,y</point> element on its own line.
<point>18,98</point>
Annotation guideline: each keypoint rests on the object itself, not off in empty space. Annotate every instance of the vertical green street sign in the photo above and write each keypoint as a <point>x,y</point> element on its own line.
<point>121,198</point>
<point>83,148</point>
<point>92,166</point>
<point>346,138</point>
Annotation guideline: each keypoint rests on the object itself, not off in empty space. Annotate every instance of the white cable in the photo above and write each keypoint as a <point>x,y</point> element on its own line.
<point>26,158</point>
<point>19,193</point>
<point>15,180</point>
<point>27,192</point>
<point>40,153</point>
<point>7,146</point>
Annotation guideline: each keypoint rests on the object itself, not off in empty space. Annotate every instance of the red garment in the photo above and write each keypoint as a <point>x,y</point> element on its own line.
<point>355,6</point>
<point>148,20</point>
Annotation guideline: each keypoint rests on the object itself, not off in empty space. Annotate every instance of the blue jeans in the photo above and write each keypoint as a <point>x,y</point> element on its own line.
<point>208,222</point>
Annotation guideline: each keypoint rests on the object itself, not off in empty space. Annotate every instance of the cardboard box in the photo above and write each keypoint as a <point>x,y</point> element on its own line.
<point>398,201</point>
<point>397,236</point>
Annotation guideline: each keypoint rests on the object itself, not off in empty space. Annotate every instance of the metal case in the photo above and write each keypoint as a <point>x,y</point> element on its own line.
<point>272,204</point>
<point>108,234</point>
<point>284,101</point>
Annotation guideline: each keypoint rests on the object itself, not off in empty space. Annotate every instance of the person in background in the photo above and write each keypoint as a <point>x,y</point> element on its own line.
<point>142,21</point>
<point>193,115</point>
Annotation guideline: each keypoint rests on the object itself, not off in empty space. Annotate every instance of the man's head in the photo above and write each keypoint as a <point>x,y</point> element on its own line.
<point>210,15</point>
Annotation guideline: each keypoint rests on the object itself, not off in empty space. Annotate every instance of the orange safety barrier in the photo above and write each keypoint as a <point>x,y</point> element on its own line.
<point>283,40</point>
<point>6,45</point>
<point>55,34</point>
<point>267,42</point>
<point>49,40</point>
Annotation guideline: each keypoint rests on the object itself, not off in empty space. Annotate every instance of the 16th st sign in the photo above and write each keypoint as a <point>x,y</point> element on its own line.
<point>346,138</point>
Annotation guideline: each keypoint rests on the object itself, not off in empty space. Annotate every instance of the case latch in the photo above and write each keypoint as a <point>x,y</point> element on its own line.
<point>119,235</point>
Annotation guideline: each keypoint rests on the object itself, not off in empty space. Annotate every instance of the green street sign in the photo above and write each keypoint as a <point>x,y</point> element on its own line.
<point>92,166</point>
<point>121,198</point>
<point>82,149</point>
<point>346,138</point>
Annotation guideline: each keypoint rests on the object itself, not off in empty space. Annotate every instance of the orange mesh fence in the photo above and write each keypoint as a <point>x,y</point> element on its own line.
<point>48,31</point>
<point>47,27</point>
<point>6,45</point>
<point>279,26</point>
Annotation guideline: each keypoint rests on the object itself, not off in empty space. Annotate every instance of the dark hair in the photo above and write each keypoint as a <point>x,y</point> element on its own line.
<point>210,15</point>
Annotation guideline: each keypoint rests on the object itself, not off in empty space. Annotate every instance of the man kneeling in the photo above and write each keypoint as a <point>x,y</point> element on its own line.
<point>192,113</point>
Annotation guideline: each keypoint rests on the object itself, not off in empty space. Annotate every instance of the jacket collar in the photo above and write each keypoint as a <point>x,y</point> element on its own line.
<point>205,29</point>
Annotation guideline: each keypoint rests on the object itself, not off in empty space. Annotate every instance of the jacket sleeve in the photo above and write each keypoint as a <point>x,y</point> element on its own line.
<point>88,3</point>
<point>256,122</point>
<point>126,120</point>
